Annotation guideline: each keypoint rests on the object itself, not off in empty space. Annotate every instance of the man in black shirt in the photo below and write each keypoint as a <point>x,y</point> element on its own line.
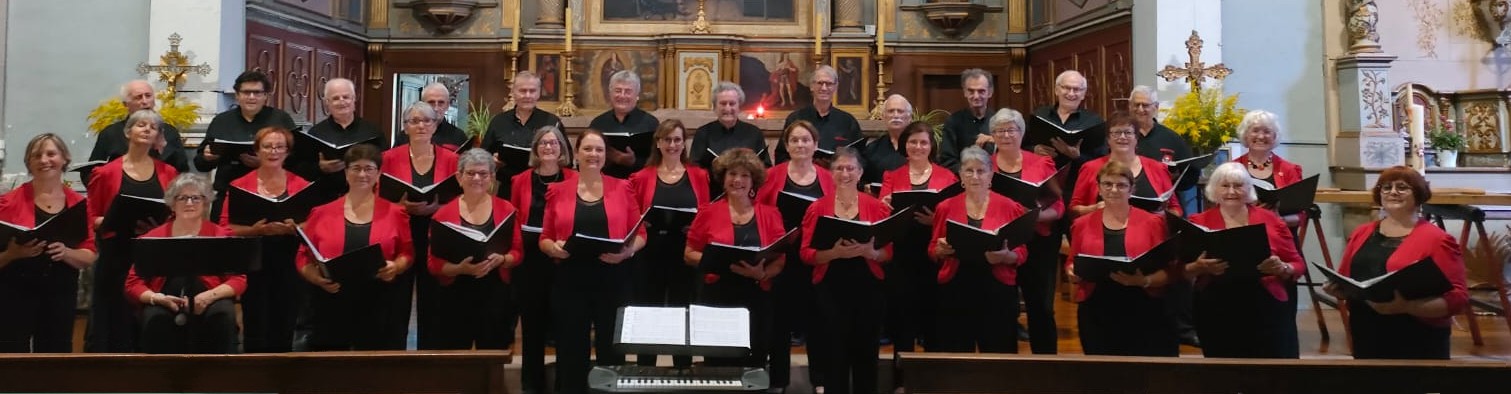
<point>111,141</point>
<point>728,131</point>
<point>889,151</point>
<point>239,123</point>
<point>968,126</point>
<point>625,117</point>
<point>447,135</point>
<point>835,126</point>
<point>340,128</point>
<point>1158,142</point>
<point>517,127</point>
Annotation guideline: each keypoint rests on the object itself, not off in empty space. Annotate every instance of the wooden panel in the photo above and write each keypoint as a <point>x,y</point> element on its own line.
<point>264,54</point>
<point>932,80</point>
<point>293,83</point>
<point>327,67</point>
<point>1103,55</point>
<point>485,69</point>
<point>299,64</point>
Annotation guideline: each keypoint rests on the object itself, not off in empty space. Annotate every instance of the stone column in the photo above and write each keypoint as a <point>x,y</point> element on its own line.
<point>847,16</point>
<point>551,15</point>
<point>1366,139</point>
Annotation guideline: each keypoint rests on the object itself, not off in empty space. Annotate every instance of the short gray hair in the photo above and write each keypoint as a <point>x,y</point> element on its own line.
<point>1006,116</point>
<point>1227,172</point>
<point>826,69</point>
<point>1258,117</point>
<point>526,74</point>
<point>1147,91</point>
<point>437,86</point>
<point>473,157</point>
<point>975,153</point>
<point>188,180</point>
<point>144,115</point>
<point>339,81</point>
<point>905,102</point>
<point>423,108</point>
<point>126,87</point>
<point>625,76</point>
<point>561,138</point>
<point>1067,74</point>
<point>969,74</point>
<point>725,86</point>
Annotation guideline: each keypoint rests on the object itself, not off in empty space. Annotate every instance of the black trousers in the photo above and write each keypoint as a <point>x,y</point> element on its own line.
<point>794,314</point>
<point>911,286</point>
<point>586,297</point>
<point>273,299</point>
<point>1119,320</point>
<point>37,298</point>
<point>853,305</point>
<point>1238,318</point>
<point>736,291</point>
<point>662,279</point>
<point>1398,337</point>
<point>475,312</point>
<point>1037,278</point>
<point>424,296</point>
<point>353,318</point>
<point>532,282</point>
<point>112,325</point>
<point>213,332</point>
<point>977,312</point>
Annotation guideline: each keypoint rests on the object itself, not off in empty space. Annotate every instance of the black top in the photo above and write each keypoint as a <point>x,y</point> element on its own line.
<point>1142,187</point>
<point>881,156</point>
<point>149,188</point>
<point>1112,242</point>
<point>635,122</point>
<point>485,227</point>
<point>677,195</point>
<point>445,134</point>
<point>421,180</point>
<point>304,160</point>
<point>357,236</point>
<point>719,138</point>
<point>1164,145</point>
<point>41,215</point>
<point>810,190</point>
<point>960,132</point>
<point>231,126</point>
<point>973,222</point>
<point>111,143</point>
<point>1369,261</point>
<point>835,129</point>
<point>538,186</point>
<point>506,128</point>
<point>591,219</point>
<point>919,186</point>
<point>747,234</point>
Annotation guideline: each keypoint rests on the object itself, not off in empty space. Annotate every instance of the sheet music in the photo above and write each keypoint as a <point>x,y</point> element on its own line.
<point>711,326</point>
<point>653,326</point>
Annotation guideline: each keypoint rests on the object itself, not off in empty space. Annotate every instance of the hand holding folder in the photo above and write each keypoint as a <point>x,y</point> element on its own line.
<point>1243,248</point>
<point>1294,198</point>
<point>69,227</point>
<point>454,243</point>
<point>830,230</point>
<point>132,215</point>
<point>1419,280</point>
<point>1041,131</point>
<point>586,245</point>
<point>718,257</point>
<point>353,268</point>
<point>246,207</point>
<point>968,240</point>
<point>513,157</point>
<point>232,149</point>
<point>1100,268</point>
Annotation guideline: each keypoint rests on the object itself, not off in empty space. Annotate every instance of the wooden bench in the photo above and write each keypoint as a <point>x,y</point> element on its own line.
<point>349,372</point>
<point>1007,373</point>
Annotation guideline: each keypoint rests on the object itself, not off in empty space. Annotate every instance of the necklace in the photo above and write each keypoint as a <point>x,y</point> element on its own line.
<point>1262,166</point>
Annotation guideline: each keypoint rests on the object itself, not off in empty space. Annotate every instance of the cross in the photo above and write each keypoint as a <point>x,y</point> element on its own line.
<point>174,67</point>
<point>1195,70</point>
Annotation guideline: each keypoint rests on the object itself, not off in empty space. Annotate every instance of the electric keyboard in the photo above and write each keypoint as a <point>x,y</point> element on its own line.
<point>637,379</point>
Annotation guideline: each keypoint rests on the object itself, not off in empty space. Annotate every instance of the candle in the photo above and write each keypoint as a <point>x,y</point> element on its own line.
<point>761,111</point>
<point>569,29</point>
<point>881,30</point>
<point>818,33</point>
<point>1417,126</point>
<point>519,7</point>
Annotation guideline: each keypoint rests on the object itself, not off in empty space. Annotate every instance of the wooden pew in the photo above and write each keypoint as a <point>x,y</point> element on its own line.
<point>1007,373</point>
<point>480,372</point>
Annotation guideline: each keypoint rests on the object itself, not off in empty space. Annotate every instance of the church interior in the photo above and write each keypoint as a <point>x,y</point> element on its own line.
<point>1355,87</point>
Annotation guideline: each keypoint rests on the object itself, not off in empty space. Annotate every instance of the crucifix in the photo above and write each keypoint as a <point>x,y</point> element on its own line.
<point>174,67</point>
<point>1194,70</point>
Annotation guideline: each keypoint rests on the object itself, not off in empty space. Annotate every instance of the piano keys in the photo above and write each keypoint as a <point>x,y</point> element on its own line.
<point>638,379</point>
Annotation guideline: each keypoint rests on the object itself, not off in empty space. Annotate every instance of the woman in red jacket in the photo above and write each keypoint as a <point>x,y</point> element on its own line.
<point>738,221</point>
<point>112,327</point>
<point>1245,318</point>
<point>1259,132</point>
<point>668,180</point>
<point>1038,273</point>
<point>911,278</point>
<point>1402,328</point>
<point>533,276</point>
<point>207,303</point>
<point>421,163</point>
<point>792,290</point>
<point>590,287</point>
<point>39,280</point>
<point>276,293</point>
<point>847,278</point>
<point>475,295</point>
<point>353,316</point>
<point>1124,316</point>
<point>978,291</point>
<point>1150,177</point>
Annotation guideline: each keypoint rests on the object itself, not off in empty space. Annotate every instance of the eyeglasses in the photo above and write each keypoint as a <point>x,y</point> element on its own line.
<point>362,169</point>
<point>189,198</point>
<point>1120,133</point>
<point>418,121</point>
<point>436,102</point>
<point>1397,188</point>
<point>1007,130</point>
<point>1073,89</point>
<point>1115,185</point>
<point>476,174</point>
<point>824,83</point>
<point>277,148</point>
<point>672,139</point>
<point>974,172</point>
<point>251,93</point>
<point>545,143</point>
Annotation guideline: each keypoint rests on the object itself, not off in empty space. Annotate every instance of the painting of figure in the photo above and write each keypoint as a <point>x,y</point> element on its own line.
<point>775,80</point>
<point>850,91</point>
<point>546,67</point>
<point>610,66</point>
<point>592,69</point>
<point>687,10</point>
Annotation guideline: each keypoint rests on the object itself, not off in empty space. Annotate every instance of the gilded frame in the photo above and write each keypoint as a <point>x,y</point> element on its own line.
<point>802,26</point>
<point>858,74</point>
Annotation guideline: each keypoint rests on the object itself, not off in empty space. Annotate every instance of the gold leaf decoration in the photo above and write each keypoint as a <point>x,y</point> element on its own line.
<point>1429,20</point>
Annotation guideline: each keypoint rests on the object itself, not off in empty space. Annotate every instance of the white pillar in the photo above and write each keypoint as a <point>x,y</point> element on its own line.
<point>214,32</point>
<point>1160,30</point>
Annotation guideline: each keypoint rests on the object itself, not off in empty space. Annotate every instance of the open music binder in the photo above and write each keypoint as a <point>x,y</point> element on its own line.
<point>231,149</point>
<point>70,226</point>
<point>393,189</point>
<point>830,230</point>
<point>641,142</point>
<point>357,266</point>
<point>670,217</point>
<point>708,160</point>
<point>925,198</point>
<point>1418,280</point>
<point>247,207</point>
<point>127,210</point>
<point>329,150</point>
<point>1023,192</point>
<point>966,239</point>
<point>717,257</point>
<point>1243,248</point>
<point>1100,268</point>
<point>514,157</point>
<point>793,206</point>
<point>86,166</point>
<point>1041,131</point>
<point>1295,198</point>
<point>196,256</point>
<point>581,243</point>
<point>696,330</point>
<point>1184,165</point>
<point>454,243</point>
<point>1157,203</point>
<point>828,154</point>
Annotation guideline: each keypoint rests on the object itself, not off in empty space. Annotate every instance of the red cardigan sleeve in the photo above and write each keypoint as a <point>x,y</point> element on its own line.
<point>549,229</point>
<point>810,220</point>
<point>1085,191</point>
<point>1446,254</point>
<point>699,233</point>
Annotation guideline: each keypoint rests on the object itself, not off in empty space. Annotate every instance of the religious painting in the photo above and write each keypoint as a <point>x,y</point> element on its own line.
<point>547,66</point>
<point>851,89</point>
<point>687,10</point>
<point>776,81</point>
<point>697,72</point>
<point>592,69</point>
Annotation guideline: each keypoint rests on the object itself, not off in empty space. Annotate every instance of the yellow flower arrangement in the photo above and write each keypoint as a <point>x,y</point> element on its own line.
<point>179,114</point>
<point>1205,118</point>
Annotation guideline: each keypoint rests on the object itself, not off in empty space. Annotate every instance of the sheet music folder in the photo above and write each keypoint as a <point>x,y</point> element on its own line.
<point>696,330</point>
<point>1418,280</point>
<point>127,210</point>
<point>393,189</point>
<point>1100,268</point>
<point>327,149</point>
<point>358,266</point>
<point>196,256</point>
<point>1294,198</point>
<point>830,230</point>
<point>455,243</point>
<point>70,226</point>
<point>247,207</point>
<point>1243,247</point>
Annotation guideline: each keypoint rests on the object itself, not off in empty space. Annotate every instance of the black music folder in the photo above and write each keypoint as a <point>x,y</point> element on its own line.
<point>830,230</point>
<point>672,218</point>
<point>1023,192</point>
<point>717,257</point>
<point>329,150</point>
<point>70,226</point>
<point>828,154</point>
<point>642,142</point>
<point>196,256</point>
<point>696,330</point>
<point>1185,165</point>
<point>1041,131</point>
<point>357,266</point>
<point>708,160</point>
<point>1243,248</point>
<point>1295,198</point>
<point>393,189</point>
<point>1418,280</point>
<point>1100,268</point>
<point>925,198</point>
<point>232,149</point>
<point>586,245</point>
<point>247,207</point>
<point>966,239</point>
<point>454,243</point>
<point>127,210</point>
<point>86,167</point>
<point>1158,203</point>
<point>513,157</point>
<point>793,206</point>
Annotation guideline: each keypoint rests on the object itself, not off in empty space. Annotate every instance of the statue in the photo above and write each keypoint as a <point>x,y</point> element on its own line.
<point>1363,16</point>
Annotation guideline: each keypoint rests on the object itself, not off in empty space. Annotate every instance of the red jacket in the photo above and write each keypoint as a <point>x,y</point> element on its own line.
<point>1037,168</point>
<point>105,183</point>
<point>452,213</point>
<point>561,210</point>
<point>1424,241</point>
<point>1145,231</point>
<point>248,182</point>
<point>135,285</point>
<point>326,227</point>
<point>1000,210</point>
<point>1086,181</point>
<point>713,224</point>
<point>1281,245</point>
<point>643,184</point>
<point>396,163</point>
<point>1285,174</point>
<point>19,207</point>
<point>870,209</point>
<point>899,180</point>
<point>519,191</point>
<point>776,179</point>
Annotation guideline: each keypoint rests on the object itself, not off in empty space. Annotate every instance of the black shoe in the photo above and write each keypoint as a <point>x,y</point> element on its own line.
<point>1190,340</point>
<point>884,341</point>
<point>798,340</point>
<point>1022,336</point>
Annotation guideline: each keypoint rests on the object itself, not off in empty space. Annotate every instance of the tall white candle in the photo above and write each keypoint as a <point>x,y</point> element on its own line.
<point>1416,127</point>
